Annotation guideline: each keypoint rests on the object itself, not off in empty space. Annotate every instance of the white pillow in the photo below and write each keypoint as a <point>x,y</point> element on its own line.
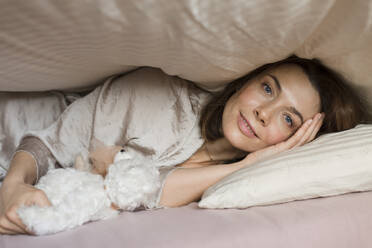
<point>333,164</point>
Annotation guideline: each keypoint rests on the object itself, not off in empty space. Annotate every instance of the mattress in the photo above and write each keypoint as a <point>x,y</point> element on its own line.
<point>342,221</point>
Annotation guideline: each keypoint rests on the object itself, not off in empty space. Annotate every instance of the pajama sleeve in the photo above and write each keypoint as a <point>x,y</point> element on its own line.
<point>39,152</point>
<point>63,140</point>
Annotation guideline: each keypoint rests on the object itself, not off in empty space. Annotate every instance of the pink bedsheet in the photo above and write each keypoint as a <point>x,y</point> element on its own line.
<point>343,221</point>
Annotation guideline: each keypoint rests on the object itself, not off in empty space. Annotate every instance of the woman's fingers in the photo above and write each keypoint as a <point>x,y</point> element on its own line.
<point>6,231</point>
<point>41,201</point>
<point>285,145</point>
<point>6,227</point>
<point>16,221</point>
<point>296,138</point>
<point>304,134</point>
<point>316,129</point>
<point>312,130</point>
<point>9,225</point>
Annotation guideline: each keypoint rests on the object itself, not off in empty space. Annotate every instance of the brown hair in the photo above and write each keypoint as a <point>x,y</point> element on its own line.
<point>343,107</point>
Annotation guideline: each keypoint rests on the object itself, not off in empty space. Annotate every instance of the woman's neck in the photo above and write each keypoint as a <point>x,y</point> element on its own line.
<point>222,149</point>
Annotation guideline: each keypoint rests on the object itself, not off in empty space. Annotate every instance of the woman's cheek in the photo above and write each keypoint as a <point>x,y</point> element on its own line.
<point>276,135</point>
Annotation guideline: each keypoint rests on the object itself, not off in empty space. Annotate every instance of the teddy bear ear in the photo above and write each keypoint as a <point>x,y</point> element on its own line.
<point>96,144</point>
<point>81,165</point>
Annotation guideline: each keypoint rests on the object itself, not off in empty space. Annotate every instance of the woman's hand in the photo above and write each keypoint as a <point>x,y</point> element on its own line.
<point>306,133</point>
<point>12,196</point>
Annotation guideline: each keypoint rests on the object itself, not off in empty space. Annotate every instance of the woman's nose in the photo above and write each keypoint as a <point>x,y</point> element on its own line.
<point>263,115</point>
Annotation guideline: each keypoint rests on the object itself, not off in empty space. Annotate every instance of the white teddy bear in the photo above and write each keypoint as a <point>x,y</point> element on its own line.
<point>81,196</point>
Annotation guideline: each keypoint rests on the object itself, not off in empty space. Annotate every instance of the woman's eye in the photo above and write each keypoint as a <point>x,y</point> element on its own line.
<point>289,120</point>
<point>267,88</point>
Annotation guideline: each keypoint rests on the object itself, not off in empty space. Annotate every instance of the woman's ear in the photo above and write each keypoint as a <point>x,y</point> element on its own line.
<point>81,164</point>
<point>102,157</point>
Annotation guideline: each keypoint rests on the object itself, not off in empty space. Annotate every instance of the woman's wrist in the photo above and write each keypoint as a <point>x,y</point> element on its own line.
<point>22,169</point>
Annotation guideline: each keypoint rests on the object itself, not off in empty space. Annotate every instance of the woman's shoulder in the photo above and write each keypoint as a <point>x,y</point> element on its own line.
<point>153,83</point>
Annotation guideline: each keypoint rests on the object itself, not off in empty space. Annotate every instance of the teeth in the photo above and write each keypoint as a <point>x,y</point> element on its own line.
<point>246,124</point>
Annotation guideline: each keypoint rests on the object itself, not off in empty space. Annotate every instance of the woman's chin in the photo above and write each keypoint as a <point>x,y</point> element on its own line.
<point>241,142</point>
<point>243,145</point>
<point>248,145</point>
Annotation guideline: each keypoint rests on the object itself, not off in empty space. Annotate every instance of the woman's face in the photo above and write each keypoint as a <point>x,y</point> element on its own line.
<point>269,108</point>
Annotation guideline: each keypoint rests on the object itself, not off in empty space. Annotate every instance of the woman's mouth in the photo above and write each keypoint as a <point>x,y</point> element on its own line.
<point>245,127</point>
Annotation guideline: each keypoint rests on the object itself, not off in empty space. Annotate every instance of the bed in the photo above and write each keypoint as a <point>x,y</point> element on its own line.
<point>340,221</point>
<point>74,45</point>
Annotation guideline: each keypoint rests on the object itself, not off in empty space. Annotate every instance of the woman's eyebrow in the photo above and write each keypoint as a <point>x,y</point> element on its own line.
<point>277,83</point>
<point>292,109</point>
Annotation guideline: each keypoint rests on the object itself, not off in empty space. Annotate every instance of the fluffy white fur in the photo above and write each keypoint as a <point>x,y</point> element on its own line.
<point>79,196</point>
<point>134,184</point>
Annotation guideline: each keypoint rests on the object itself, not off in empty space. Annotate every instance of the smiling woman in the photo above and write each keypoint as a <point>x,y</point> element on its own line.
<point>270,110</point>
<point>269,104</point>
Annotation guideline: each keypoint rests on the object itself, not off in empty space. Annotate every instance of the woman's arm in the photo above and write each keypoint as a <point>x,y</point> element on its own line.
<point>185,185</point>
<point>16,191</point>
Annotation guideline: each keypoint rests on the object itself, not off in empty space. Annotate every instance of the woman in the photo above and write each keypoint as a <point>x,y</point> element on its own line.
<point>272,109</point>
